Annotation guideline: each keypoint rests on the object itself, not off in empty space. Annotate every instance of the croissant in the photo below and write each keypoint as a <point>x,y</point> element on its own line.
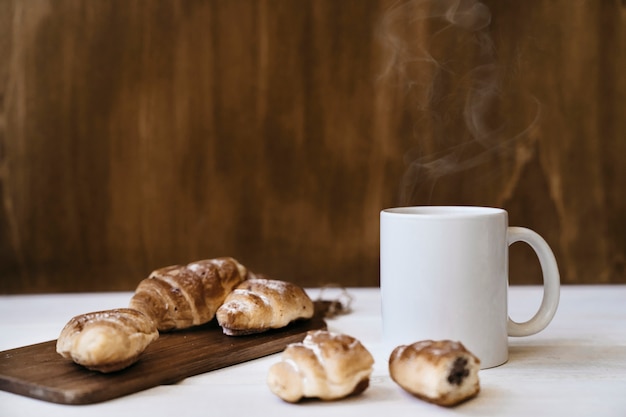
<point>106,341</point>
<point>178,297</point>
<point>259,304</point>
<point>442,372</point>
<point>324,365</point>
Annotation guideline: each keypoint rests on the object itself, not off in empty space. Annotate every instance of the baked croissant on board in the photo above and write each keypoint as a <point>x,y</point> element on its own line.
<point>259,304</point>
<point>106,341</point>
<point>178,297</point>
<point>325,365</point>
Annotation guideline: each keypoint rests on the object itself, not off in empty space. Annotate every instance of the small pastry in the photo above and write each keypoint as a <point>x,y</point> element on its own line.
<point>258,305</point>
<point>441,372</point>
<point>106,341</point>
<point>182,296</point>
<point>324,365</point>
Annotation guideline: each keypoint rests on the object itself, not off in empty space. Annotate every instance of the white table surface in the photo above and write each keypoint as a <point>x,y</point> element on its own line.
<point>575,367</point>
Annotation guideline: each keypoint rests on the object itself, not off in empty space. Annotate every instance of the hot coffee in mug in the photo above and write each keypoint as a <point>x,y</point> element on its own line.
<point>444,275</point>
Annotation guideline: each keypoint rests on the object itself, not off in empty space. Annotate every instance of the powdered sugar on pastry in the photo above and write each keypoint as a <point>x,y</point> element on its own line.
<point>324,365</point>
<point>258,304</point>
<point>441,372</point>
<point>182,296</point>
<point>106,341</point>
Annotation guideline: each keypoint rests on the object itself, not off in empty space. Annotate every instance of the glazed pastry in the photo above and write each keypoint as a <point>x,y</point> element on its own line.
<point>178,297</point>
<point>106,341</point>
<point>258,305</point>
<point>441,372</point>
<point>324,365</point>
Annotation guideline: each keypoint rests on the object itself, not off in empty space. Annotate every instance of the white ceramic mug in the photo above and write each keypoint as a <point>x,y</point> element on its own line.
<point>444,275</point>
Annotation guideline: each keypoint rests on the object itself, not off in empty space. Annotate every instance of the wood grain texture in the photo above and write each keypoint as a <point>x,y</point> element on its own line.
<point>138,135</point>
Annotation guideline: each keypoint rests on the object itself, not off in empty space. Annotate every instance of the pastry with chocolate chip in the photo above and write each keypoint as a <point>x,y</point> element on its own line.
<point>441,372</point>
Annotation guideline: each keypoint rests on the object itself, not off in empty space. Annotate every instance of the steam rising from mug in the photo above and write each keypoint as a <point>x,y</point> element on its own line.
<point>449,87</point>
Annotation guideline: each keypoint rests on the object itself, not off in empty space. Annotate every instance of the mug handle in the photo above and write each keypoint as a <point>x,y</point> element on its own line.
<point>551,282</point>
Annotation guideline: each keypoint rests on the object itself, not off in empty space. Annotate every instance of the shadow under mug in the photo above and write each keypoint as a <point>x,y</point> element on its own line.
<point>444,275</point>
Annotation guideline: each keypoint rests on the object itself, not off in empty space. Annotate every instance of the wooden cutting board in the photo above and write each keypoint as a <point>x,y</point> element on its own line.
<point>38,371</point>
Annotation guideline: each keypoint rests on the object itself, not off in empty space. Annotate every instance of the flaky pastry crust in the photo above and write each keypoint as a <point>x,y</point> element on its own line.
<point>325,365</point>
<point>442,372</point>
<point>106,341</point>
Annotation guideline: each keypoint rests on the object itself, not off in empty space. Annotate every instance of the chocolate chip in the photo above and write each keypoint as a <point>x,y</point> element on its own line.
<point>458,372</point>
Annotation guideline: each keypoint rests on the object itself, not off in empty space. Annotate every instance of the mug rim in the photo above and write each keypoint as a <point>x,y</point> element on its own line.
<point>443,211</point>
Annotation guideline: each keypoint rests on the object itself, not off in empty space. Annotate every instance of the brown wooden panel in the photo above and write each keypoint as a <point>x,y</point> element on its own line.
<point>136,135</point>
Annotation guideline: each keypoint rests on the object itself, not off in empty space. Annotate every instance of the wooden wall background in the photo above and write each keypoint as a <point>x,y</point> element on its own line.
<point>138,134</point>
